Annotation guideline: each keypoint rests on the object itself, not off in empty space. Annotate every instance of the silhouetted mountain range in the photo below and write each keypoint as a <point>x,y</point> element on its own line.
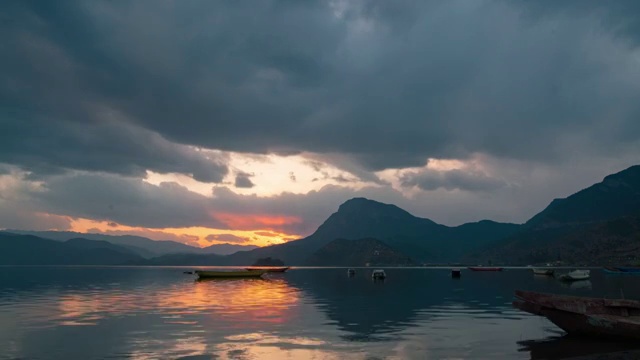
<point>32,250</point>
<point>598,225</point>
<point>142,246</point>
<point>361,218</point>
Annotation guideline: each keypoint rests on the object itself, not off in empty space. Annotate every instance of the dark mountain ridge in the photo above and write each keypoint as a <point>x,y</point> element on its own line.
<point>360,252</point>
<point>361,218</point>
<point>142,246</point>
<point>594,218</point>
<point>18,249</point>
<point>615,196</point>
<point>592,215</point>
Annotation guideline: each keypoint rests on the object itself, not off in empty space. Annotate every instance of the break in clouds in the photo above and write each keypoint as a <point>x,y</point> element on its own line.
<point>95,94</point>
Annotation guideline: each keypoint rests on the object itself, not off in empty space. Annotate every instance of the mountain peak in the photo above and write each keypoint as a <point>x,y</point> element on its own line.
<point>362,205</point>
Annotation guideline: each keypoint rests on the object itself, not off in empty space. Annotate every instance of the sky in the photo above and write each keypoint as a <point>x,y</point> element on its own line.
<point>251,122</point>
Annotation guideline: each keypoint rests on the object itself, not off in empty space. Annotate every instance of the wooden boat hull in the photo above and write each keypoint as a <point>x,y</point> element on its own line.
<point>618,319</point>
<point>482,268</point>
<point>229,274</point>
<point>269,269</point>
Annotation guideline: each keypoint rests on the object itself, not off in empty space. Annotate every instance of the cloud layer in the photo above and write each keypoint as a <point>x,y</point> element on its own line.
<point>98,94</point>
<point>389,85</point>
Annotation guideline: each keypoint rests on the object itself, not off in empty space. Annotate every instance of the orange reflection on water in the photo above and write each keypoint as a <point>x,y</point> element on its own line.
<point>76,310</point>
<point>249,300</point>
<point>242,302</point>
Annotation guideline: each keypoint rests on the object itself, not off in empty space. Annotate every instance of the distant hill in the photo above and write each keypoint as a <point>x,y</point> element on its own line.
<point>361,218</point>
<point>86,244</point>
<point>612,242</point>
<point>616,196</point>
<point>142,246</point>
<point>268,262</point>
<point>18,249</point>
<point>592,226</point>
<point>187,260</point>
<point>360,252</point>
<point>226,249</point>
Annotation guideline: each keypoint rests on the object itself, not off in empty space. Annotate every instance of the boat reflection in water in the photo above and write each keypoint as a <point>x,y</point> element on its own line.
<point>580,284</point>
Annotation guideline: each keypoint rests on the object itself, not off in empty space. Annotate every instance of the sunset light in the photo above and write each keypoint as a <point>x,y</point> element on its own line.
<point>303,180</point>
<point>197,236</point>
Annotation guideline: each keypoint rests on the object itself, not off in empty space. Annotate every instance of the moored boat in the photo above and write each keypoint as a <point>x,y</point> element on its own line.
<point>484,268</point>
<point>575,275</point>
<point>268,269</point>
<point>229,274</point>
<point>378,275</point>
<point>546,272</point>
<point>613,270</point>
<point>616,318</point>
<point>621,270</point>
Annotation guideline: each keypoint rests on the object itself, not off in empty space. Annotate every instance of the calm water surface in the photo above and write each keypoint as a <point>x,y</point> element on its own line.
<point>161,313</point>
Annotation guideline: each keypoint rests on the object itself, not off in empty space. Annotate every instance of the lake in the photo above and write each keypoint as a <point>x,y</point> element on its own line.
<point>306,313</point>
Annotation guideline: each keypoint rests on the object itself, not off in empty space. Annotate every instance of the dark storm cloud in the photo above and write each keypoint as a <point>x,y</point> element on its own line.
<point>133,202</point>
<point>243,181</point>
<point>620,16</point>
<point>125,201</point>
<point>452,179</point>
<point>49,147</point>
<point>386,84</point>
<point>136,203</point>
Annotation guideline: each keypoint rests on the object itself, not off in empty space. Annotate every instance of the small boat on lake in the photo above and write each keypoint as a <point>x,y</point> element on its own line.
<point>351,272</point>
<point>269,269</point>
<point>545,272</point>
<point>484,268</point>
<point>378,275</point>
<point>229,274</point>
<point>613,270</point>
<point>575,275</point>
<point>456,273</point>
<point>614,318</point>
<point>622,270</point>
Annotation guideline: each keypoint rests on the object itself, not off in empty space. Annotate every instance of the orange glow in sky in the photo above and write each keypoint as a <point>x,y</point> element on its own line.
<point>197,236</point>
<point>251,221</point>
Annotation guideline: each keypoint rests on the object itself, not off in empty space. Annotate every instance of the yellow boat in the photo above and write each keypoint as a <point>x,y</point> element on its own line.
<point>229,274</point>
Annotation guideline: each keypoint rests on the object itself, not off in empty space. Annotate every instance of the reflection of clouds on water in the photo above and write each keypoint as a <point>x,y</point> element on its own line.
<point>79,313</point>
<point>178,348</point>
<point>265,346</point>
